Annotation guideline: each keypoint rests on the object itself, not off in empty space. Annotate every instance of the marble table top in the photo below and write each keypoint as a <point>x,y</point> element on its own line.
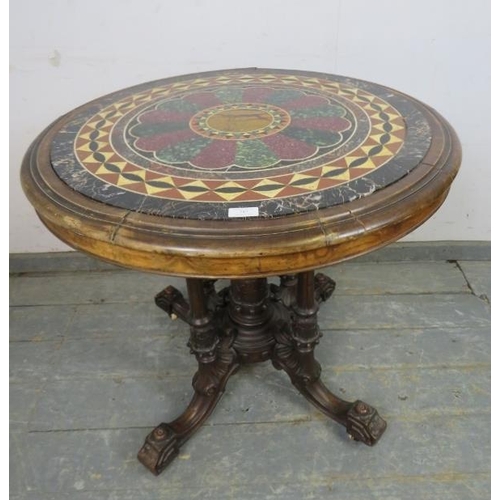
<point>240,144</point>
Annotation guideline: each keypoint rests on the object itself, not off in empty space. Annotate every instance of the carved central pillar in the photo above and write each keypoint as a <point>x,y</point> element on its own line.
<point>250,312</point>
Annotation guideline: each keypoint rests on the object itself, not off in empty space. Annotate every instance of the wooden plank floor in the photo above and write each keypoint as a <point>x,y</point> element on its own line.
<point>94,365</point>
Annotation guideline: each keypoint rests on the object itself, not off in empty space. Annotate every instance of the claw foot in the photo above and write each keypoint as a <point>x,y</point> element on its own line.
<point>159,449</point>
<point>364,423</point>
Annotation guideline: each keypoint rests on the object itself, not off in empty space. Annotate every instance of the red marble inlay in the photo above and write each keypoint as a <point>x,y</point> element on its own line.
<point>248,196</point>
<point>308,101</point>
<point>249,183</point>
<point>315,172</point>
<point>158,115</point>
<point>93,166</point>
<point>288,148</point>
<point>129,168</point>
<point>217,155</point>
<point>108,148</point>
<point>210,196</point>
<point>323,123</point>
<point>283,179</point>
<point>138,187</point>
<point>111,178</point>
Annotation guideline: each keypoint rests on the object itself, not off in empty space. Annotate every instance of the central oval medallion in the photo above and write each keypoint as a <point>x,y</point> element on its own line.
<point>240,121</point>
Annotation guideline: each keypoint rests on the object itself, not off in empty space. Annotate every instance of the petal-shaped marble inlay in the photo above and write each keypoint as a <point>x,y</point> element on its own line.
<point>268,124</point>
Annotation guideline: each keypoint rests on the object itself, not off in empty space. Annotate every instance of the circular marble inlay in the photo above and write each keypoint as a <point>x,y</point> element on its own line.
<point>276,143</point>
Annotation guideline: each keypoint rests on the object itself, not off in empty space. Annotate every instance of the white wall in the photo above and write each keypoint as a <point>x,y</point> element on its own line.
<point>66,52</point>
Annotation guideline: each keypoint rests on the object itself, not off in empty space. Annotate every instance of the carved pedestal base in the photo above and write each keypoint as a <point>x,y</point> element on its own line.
<point>251,322</point>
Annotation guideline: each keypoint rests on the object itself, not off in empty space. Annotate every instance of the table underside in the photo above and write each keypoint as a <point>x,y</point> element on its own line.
<point>251,321</point>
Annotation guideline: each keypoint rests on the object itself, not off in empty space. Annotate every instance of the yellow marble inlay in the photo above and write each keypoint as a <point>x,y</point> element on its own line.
<point>240,120</point>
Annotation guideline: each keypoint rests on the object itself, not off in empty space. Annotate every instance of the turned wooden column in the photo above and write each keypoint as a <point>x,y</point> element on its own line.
<point>250,311</point>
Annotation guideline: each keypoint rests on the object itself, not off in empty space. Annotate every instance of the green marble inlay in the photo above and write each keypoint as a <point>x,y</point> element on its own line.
<point>152,129</point>
<point>178,106</point>
<point>281,96</point>
<point>230,94</point>
<point>319,138</point>
<point>254,154</point>
<point>183,151</point>
<point>331,110</point>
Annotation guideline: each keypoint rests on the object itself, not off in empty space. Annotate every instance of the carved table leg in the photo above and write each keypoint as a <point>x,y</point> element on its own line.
<point>216,363</point>
<point>294,353</point>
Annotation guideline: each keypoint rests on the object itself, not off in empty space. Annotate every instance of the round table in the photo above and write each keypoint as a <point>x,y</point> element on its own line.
<point>243,174</point>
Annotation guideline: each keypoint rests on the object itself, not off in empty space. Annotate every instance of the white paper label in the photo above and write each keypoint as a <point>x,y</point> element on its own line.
<point>243,212</point>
